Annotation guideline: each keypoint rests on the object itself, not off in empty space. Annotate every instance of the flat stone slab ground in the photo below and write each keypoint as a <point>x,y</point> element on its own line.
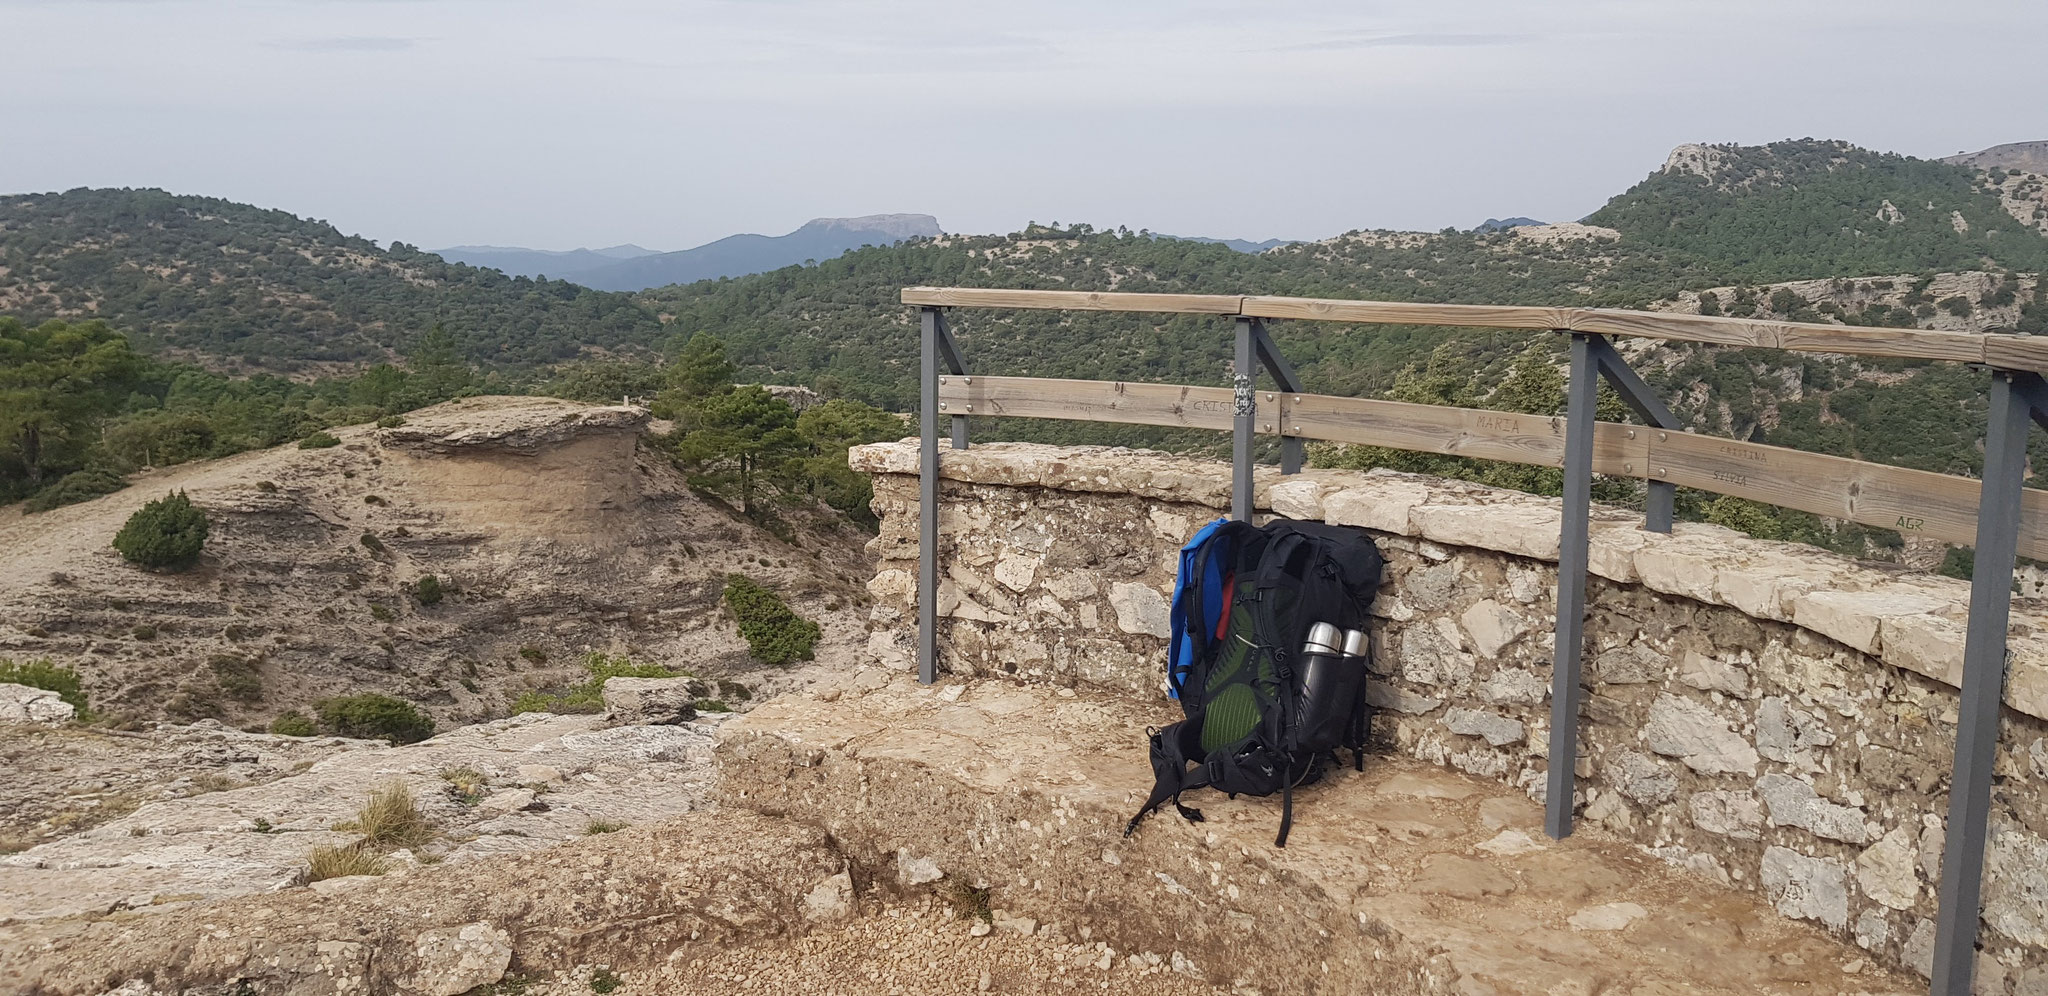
<point>1406,878</point>
<point>498,788</point>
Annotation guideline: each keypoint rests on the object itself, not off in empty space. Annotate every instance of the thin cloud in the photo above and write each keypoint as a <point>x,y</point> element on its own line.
<point>349,43</point>
<point>1410,41</point>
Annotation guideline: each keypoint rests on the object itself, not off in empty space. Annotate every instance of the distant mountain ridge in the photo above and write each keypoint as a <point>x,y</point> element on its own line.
<point>631,268</point>
<point>1241,245</point>
<point>1503,224</point>
<point>2031,157</point>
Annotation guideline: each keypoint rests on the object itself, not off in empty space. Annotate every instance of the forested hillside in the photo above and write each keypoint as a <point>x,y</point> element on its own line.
<point>239,286</point>
<point>1806,231</point>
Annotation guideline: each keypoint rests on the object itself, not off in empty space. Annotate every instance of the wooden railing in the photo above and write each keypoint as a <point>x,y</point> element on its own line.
<point>2012,352</point>
<point>1995,514</point>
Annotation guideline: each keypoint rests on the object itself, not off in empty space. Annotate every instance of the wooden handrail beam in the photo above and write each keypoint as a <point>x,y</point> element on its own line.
<point>1915,502</point>
<point>2007,351</point>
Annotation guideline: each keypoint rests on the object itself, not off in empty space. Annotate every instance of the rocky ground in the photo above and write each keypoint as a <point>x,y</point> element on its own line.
<point>554,528</point>
<point>504,787</point>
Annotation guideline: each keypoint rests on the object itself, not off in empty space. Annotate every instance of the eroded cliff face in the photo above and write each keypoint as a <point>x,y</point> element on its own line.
<point>1771,717</point>
<point>550,524</point>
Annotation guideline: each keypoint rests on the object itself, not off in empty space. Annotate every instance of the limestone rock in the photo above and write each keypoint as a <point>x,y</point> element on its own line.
<point>1607,916</point>
<point>1140,608</point>
<point>2016,886</point>
<point>1806,888</point>
<point>831,900</point>
<point>1497,729</point>
<point>1918,953</point>
<point>1710,675</point>
<point>1871,930</point>
<point>1730,814</point>
<point>1691,732</point>
<point>1492,626</point>
<point>1853,617</point>
<point>1430,588</point>
<point>24,704</point>
<point>913,870</point>
<point>652,701</point>
<point>1385,695</point>
<point>1794,803</point>
<point>1629,664</point>
<point>1885,870</point>
<point>1015,573</point>
<point>1641,778</point>
<point>1789,735</point>
<point>1513,686</point>
<point>454,960</point>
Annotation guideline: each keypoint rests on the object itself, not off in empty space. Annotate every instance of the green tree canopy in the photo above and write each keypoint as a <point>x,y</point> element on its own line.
<point>56,379</point>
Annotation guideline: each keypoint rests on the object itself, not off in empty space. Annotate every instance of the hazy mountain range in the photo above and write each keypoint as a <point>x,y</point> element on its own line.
<point>632,268</point>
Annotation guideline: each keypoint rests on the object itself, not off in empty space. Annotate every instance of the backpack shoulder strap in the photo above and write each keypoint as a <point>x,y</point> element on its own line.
<point>1172,748</point>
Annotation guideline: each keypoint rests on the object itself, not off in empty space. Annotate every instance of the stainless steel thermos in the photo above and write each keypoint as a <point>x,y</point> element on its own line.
<point>1326,683</point>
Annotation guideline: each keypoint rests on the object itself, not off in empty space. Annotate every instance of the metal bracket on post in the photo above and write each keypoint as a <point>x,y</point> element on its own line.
<point>1244,381</point>
<point>936,347</point>
<point>2015,399</point>
<point>1657,504</point>
<point>1581,402</point>
<point>1284,377</point>
<point>949,354</point>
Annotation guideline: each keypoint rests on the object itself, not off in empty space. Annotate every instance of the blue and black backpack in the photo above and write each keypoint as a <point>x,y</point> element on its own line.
<point>1243,604</point>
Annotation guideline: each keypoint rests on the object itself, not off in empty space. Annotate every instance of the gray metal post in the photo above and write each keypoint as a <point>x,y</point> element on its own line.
<point>1581,397</point>
<point>1243,379</point>
<point>1291,448</point>
<point>928,501</point>
<point>1969,793</point>
<point>1657,504</point>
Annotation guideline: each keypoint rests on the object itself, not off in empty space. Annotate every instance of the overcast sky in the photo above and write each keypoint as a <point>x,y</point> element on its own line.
<point>558,124</point>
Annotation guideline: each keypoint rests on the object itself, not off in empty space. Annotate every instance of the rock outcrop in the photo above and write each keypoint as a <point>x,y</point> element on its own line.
<point>551,528</point>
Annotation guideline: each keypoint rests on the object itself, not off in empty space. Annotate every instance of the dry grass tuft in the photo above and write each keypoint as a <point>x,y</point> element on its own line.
<point>603,826</point>
<point>392,819</point>
<point>341,862</point>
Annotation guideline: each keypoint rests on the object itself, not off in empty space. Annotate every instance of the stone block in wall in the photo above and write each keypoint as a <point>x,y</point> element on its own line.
<point>1854,617</point>
<point>1805,887</point>
<point>1729,814</point>
<point>1886,871</point>
<point>1794,803</point>
<point>1525,530</point>
<point>1694,734</point>
<point>1384,508</point>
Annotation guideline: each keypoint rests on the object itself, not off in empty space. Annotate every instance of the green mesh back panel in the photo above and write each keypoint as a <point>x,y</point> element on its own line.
<point>1233,705</point>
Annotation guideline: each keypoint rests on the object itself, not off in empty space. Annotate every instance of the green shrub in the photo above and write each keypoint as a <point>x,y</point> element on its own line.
<point>293,724</point>
<point>604,980</point>
<point>374,716</point>
<point>390,421</point>
<point>75,487</point>
<point>372,543</point>
<point>534,654</point>
<point>47,676</point>
<point>588,696</point>
<point>267,487</point>
<point>319,441</point>
<point>144,632</point>
<point>381,613</point>
<point>595,827</point>
<point>241,678</point>
<point>774,634</point>
<point>427,590</point>
<point>166,534</point>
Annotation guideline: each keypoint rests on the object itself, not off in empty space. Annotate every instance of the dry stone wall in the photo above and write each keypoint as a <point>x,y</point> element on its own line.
<point>1767,715</point>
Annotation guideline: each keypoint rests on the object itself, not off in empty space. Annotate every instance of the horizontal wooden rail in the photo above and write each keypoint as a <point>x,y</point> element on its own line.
<point>2014,352</point>
<point>1914,502</point>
